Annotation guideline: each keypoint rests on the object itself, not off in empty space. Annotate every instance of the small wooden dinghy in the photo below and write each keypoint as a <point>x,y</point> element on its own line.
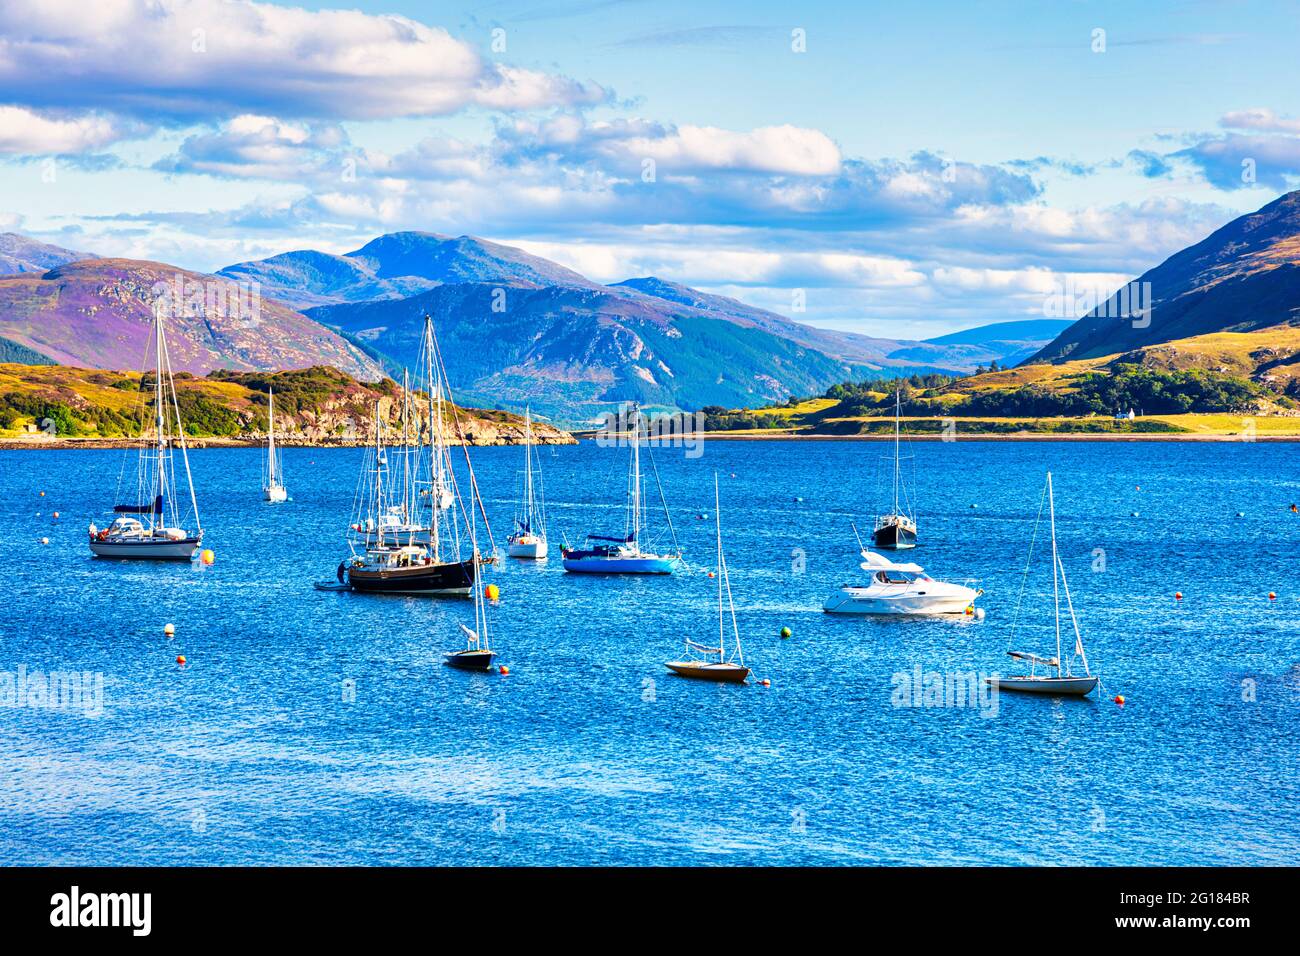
<point>713,663</point>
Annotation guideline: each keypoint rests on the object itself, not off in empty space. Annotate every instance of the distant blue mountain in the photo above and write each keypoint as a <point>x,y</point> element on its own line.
<point>1026,330</point>
<point>18,254</point>
<point>394,266</point>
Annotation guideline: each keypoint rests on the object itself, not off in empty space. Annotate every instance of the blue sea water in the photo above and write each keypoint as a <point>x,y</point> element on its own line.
<point>588,752</point>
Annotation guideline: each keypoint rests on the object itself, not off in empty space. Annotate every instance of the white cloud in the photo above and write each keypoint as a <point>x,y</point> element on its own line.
<point>204,59</point>
<point>767,149</point>
<point>1261,120</point>
<point>27,132</point>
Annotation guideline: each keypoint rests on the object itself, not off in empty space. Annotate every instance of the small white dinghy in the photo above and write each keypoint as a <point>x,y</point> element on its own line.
<point>1059,682</point>
<point>899,589</point>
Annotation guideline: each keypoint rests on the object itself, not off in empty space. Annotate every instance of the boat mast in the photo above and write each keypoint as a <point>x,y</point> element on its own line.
<point>270,438</point>
<point>1056,594</point>
<point>717,524</point>
<point>379,481</point>
<point>897,412</point>
<point>160,514</point>
<point>636,475</point>
<point>406,447</point>
<point>725,579</point>
<point>528,468</point>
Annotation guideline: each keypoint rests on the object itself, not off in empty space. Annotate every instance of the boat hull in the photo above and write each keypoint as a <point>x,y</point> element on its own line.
<point>894,537</point>
<point>1053,686</point>
<point>643,564</point>
<point>455,578</point>
<point>470,660</point>
<point>147,550</point>
<point>856,601</point>
<point>275,493</point>
<point>535,549</point>
<point>719,673</point>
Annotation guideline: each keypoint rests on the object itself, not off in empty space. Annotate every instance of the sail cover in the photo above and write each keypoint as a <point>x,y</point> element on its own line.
<point>1032,658</point>
<point>156,508</point>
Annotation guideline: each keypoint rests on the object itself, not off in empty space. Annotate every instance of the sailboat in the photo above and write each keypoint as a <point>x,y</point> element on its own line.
<point>414,557</point>
<point>528,540</point>
<point>716,663</point>
<point>154,529</point>
<point>624,555</point>
<point>273,489</point>
<point>478,654</point>
<point>1060,679</point>
<point>896,530</point>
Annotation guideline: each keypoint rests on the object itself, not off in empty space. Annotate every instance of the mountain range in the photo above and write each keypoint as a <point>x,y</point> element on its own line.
<point>1242,278</point>
<point>97,313</point>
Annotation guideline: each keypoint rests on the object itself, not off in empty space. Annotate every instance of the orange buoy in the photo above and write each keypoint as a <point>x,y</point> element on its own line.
<point>207,557</point>
<point>503,669</point>
<point>180,659</point>
<point>765,682</point>
<point>710,574</point>
<point>491,592</point>
<point>42,494</point>
<point>56,514</point>
<point>1119,699</point>
<point>1272,596</point>
<point>1178,595</point>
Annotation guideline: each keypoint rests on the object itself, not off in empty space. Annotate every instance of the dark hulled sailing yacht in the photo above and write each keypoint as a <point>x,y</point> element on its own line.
<point>896,530</point>
<point>420,555</point>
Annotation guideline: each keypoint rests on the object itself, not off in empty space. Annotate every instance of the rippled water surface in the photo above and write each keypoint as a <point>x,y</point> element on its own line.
<point>588,752</point>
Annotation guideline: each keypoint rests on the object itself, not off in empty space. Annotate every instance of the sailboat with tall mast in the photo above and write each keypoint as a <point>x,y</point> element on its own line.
<point>1059,679</point>
<point>152,526</point>
<point>273,487</point>
<point>478,654</point>
<point>716,663</point>
<point>528,539</point>
<point>604,554</point>
<point>422,557</point>
<point>896,530</point>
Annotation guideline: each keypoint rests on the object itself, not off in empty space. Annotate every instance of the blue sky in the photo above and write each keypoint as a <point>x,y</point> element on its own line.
<point>912,169</point>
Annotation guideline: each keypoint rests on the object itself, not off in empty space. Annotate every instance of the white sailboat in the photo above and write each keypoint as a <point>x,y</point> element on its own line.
<point>896,530</point>
<point>1060,680</point>
<point>273,488</point>
<point>528,539</point>
<point>716,663</point>
<point>152,526</point>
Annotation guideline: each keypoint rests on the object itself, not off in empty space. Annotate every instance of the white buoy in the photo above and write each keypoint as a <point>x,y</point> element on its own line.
<point>169,630</point>
<point>45,540</point>
<point>979,614</point>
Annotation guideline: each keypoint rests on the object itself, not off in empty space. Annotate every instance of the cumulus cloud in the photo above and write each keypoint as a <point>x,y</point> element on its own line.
<point>28,132</point>
<point>1261,120</point>
<point>205,59</point>
<point>261,147</point>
